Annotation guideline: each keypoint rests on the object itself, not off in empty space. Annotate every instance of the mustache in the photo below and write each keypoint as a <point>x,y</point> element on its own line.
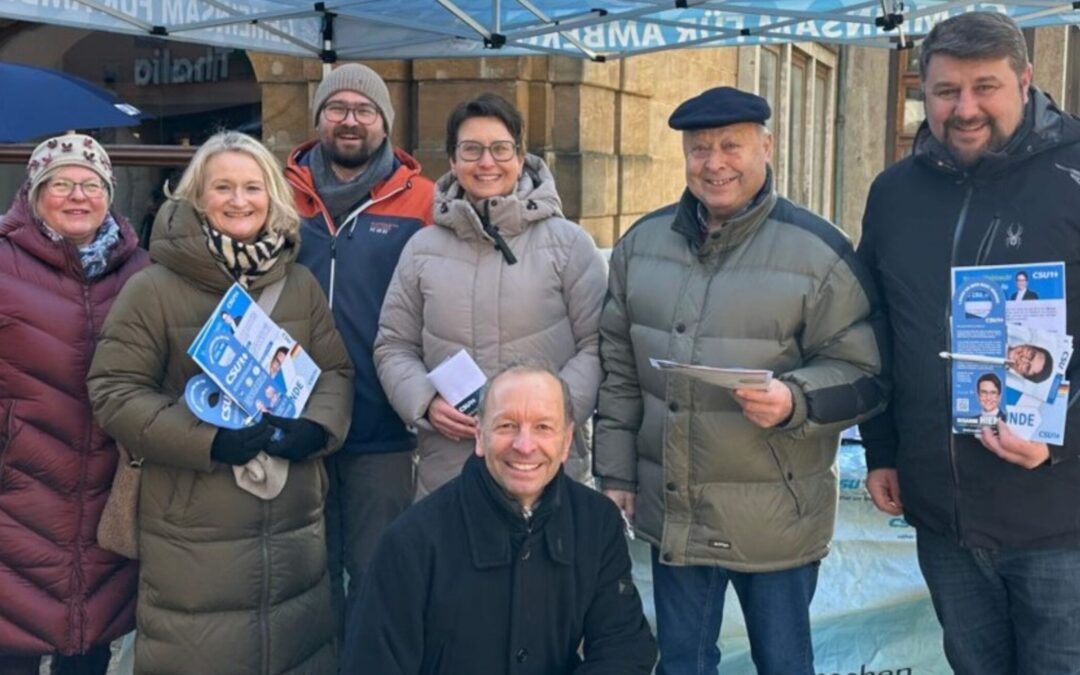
<point>954,122</point>
<point>356,130</point>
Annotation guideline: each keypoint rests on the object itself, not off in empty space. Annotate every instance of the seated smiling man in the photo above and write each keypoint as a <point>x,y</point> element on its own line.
<point>511,567</point>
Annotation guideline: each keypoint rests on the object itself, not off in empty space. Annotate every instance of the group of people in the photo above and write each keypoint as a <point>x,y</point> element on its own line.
<point>506,563</point>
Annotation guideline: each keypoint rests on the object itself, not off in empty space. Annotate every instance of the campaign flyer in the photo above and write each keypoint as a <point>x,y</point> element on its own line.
<point>254,361</point>
<point>1010,349</point>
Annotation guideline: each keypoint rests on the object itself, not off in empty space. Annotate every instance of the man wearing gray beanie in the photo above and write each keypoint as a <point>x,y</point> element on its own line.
<point>360,200</point>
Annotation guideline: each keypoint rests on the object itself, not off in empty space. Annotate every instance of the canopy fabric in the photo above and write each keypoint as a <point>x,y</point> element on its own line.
<point>600,30</point>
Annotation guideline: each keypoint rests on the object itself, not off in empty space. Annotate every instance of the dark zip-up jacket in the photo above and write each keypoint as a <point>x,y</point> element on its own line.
<point>464,584</point>
<point>354,265</point>
<point>924,215</point>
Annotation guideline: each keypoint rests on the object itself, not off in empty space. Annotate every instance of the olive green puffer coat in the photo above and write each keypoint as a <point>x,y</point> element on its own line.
<point>229,583</point>
<point>777,288</point>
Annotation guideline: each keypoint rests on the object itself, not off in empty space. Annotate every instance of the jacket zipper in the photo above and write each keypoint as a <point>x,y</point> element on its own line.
<point>957,232</point>
<point>78,608</point>
<point>264,600</point>
<point>351,222</point>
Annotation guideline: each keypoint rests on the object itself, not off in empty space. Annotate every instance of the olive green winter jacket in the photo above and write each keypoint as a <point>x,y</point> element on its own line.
<point>776,288</point>
<point>229,583</point>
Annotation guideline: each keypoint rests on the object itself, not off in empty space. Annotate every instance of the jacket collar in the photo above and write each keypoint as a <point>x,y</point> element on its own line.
<point>1044,127</point>
<point>308,203</point>
<point>179,243</point>
<point>495,526</point>
<point>534,199</point>
<point>735,231</point>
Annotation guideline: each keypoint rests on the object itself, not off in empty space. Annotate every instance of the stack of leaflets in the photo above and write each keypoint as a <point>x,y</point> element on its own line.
<point>1010,350</point>
<point>460,382</point>
<point>250,365</point>
<point>729,378</point>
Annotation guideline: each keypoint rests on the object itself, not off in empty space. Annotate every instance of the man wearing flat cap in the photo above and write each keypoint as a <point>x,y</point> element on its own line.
<point>360,199</point>
<point>733,485</point>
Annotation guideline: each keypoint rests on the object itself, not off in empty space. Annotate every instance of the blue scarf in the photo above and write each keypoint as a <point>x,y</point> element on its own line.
<point>95,255</point>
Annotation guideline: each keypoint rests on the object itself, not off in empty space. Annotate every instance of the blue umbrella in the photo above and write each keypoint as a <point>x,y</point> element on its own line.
<point>39,101</point>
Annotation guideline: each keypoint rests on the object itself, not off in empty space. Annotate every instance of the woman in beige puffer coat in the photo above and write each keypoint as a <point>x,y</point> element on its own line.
<point>502,274</point>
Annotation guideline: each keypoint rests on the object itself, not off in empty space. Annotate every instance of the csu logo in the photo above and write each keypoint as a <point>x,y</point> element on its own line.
<point>383,226</point>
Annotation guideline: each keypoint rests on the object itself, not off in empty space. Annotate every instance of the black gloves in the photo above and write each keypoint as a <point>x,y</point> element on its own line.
<point>239,446</point>
<point>299,438</point>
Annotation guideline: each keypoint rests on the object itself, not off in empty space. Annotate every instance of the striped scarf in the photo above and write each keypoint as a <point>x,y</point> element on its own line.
<point>244,262</point>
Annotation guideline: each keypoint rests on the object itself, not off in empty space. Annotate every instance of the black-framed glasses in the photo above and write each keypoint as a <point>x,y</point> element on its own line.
<point>62,187</point>
<point>338,112</point>
<point>501,151</point>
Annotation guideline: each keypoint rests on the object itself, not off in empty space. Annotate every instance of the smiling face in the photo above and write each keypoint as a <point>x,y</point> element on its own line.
<point>973,106</point>
<point>350,144</point>
<point>726,167</point>
<point>1027,360</point>
<point>524,436</point>
<point>234,196</point>
<point>75,217</point>
<point>989,395</point>
<point>485,178</point>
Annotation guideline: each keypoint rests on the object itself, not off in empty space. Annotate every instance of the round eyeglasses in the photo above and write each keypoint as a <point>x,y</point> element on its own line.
<point>62,187</point>
<point>501,151</point>
<point>338,112</point>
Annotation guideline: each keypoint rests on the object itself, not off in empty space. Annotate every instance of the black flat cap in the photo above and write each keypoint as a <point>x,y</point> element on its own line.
<point>719,107</point>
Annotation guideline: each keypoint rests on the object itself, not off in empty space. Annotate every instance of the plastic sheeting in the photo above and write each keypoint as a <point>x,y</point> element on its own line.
<point>871,613</point>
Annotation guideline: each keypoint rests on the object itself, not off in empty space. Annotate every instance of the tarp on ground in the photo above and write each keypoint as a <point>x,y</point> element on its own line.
<point>604,29</point>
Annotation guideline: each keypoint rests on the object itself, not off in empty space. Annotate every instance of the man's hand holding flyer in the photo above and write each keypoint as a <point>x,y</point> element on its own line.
<point>1010,350</point>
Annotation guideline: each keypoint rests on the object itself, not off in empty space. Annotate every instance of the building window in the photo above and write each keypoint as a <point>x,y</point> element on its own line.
<point>798,81</point>
<point>822,139</point>
<point>908,111</point>
<point>798,177</point>
<point>769,88</point>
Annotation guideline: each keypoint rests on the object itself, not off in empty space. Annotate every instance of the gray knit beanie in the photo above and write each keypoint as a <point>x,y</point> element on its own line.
<point>359,78</point>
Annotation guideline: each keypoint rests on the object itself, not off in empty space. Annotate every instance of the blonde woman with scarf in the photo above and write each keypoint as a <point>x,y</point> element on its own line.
<point>231,581</point>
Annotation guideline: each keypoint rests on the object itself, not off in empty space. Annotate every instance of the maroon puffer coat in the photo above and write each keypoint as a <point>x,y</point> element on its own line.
<point>59,592</point>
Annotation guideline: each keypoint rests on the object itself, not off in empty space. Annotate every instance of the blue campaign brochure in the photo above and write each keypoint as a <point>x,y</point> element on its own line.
<point>252,359</point>
<point>213,406</point>
<point>1010,349</point>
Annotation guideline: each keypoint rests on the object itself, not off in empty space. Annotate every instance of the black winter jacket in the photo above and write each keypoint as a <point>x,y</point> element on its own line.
<point>462,583</point>
<point>924,215</point>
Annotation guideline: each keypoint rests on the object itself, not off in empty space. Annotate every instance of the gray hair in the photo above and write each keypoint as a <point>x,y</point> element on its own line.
<point>976,35</point>
<point>530,365</point>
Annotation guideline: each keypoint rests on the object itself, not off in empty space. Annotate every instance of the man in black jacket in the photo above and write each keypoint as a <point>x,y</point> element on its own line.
<point>510,567</point>
<point>994,179</point>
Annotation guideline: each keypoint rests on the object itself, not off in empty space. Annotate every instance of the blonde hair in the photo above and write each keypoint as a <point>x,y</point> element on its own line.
<point>281,217</point>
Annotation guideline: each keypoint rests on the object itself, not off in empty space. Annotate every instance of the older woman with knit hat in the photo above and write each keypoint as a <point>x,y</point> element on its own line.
<point>63,259</point>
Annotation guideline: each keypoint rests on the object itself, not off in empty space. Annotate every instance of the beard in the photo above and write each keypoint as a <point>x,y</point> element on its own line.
<point>352,158</point>
<point>967,155</point>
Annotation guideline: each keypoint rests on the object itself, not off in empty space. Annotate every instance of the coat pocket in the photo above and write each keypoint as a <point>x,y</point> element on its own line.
<point>787,476</point>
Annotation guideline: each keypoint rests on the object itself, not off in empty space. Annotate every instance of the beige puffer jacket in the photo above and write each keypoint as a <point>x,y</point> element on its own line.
<point>452,289</point>
<point>228,583</point>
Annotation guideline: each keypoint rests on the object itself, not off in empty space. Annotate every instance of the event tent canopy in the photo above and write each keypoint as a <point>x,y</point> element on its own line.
<point>599,30</point>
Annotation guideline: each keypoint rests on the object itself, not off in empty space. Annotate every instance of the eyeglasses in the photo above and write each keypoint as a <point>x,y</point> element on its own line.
<point>338,112</point>
<point>62,187</point>
<point>501,151</point>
